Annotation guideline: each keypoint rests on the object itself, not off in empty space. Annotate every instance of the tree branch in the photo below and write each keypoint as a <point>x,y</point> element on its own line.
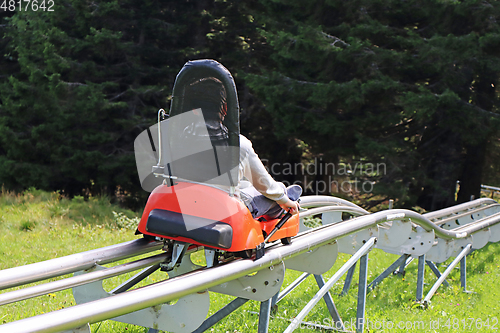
<point>336,39</point>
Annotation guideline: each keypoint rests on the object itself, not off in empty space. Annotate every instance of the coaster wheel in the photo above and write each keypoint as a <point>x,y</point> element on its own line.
<point>286,241</point>
<point>245,254</point>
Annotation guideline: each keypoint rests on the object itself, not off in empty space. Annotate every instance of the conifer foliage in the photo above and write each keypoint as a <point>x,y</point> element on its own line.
<point>411,84</point>
<point>92,75</point>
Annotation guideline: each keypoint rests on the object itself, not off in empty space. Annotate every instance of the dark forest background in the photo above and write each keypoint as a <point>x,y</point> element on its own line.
<point>411,85</point>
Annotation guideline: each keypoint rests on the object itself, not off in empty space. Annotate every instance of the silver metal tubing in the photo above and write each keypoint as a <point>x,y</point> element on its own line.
<point>461,214</point>
<point>324,200</point>
<point>486,187</point>
<point>425,223</point>
<point>43,289</point>
<point>436,285</point>
<point>459,208</point>
<point>326,287</point>
<point>189,283</point>
<point>330,304</point>
<point>479,224</point>
<point>324,209</point>
<point>135,279</point>
<point>196,281</point>
<point>17,276</point>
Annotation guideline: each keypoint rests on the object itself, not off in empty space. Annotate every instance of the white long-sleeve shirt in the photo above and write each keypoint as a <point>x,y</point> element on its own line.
<point>253,172</point>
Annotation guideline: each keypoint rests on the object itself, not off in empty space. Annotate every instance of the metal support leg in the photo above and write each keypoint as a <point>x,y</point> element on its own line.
<point>436,271</point>
<point>455,262</point>
<point>355,257</point>
<point>219,315</point>
<point>387,272</point>
<point>264,314</point>
<point>401,270</point>
<point>329,304</point>
<point>420,277</point>
<point>363,275</point>
<point>463,273</point>
<point>274,300</point>
<point>135,279</point>
<point>348,280</point>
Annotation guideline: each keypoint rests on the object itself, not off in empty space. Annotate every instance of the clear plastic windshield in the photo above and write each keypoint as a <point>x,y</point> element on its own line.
<point>200,141</point>
<point>188,152</point>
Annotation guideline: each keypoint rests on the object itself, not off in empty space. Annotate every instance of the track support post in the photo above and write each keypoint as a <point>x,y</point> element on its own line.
<point>264,314</point>
<point>420,277</point>
<point>363,275</point>
<point>401,260</point>
<point>454,263</point>
<point>221,314</point>
<point>463,274</point>
<point>330,304</point>
<point>436,271</point>
<point>348,280</point>
<point>326,287</point>
<point>401,270</point>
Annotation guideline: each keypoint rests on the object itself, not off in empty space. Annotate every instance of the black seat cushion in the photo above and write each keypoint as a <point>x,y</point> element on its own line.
<point>202,230</point>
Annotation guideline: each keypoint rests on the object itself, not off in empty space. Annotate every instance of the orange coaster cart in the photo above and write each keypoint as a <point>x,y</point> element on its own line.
<point>189,161</point>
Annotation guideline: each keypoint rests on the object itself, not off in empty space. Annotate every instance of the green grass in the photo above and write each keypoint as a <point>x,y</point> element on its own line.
<point>38,226</point>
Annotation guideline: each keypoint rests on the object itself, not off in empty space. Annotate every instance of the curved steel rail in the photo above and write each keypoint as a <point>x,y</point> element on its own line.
<point>323,200</point>
<point>450,211</point>
<point>202,279</point>
<point>196,281</point>
<point>39,271</point>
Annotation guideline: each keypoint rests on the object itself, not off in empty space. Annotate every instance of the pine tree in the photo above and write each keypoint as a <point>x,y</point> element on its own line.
<point>92,75</point>
<point>394,82</point>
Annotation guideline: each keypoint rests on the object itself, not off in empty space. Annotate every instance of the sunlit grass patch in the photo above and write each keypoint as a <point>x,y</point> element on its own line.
<point>59,230</point>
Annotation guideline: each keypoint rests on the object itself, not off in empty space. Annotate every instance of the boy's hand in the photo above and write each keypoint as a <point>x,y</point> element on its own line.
<point>291,206</point>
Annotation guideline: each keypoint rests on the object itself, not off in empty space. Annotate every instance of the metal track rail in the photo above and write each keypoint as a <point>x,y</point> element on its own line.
<point>196,281</point>
<point>199,279</point>
<point>18,276</point>
<point>78,280</point>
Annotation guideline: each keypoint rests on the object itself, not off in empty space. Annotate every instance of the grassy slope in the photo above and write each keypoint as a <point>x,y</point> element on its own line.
<point>38,226</point>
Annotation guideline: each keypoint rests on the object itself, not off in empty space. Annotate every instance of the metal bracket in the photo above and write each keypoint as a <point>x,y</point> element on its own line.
<point>393,233</point>
<point>331,217</point>
<point>441,250</point>
<point>182,317</point>
<point>460,245</point>
<point>495,233</point>
<point>317,261</point>
<point>210,257</point>
<point>350,244</point>
<point>480,238</point>
<point>178,251</point>
<point>258,287</point>
<point>419,242</point>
